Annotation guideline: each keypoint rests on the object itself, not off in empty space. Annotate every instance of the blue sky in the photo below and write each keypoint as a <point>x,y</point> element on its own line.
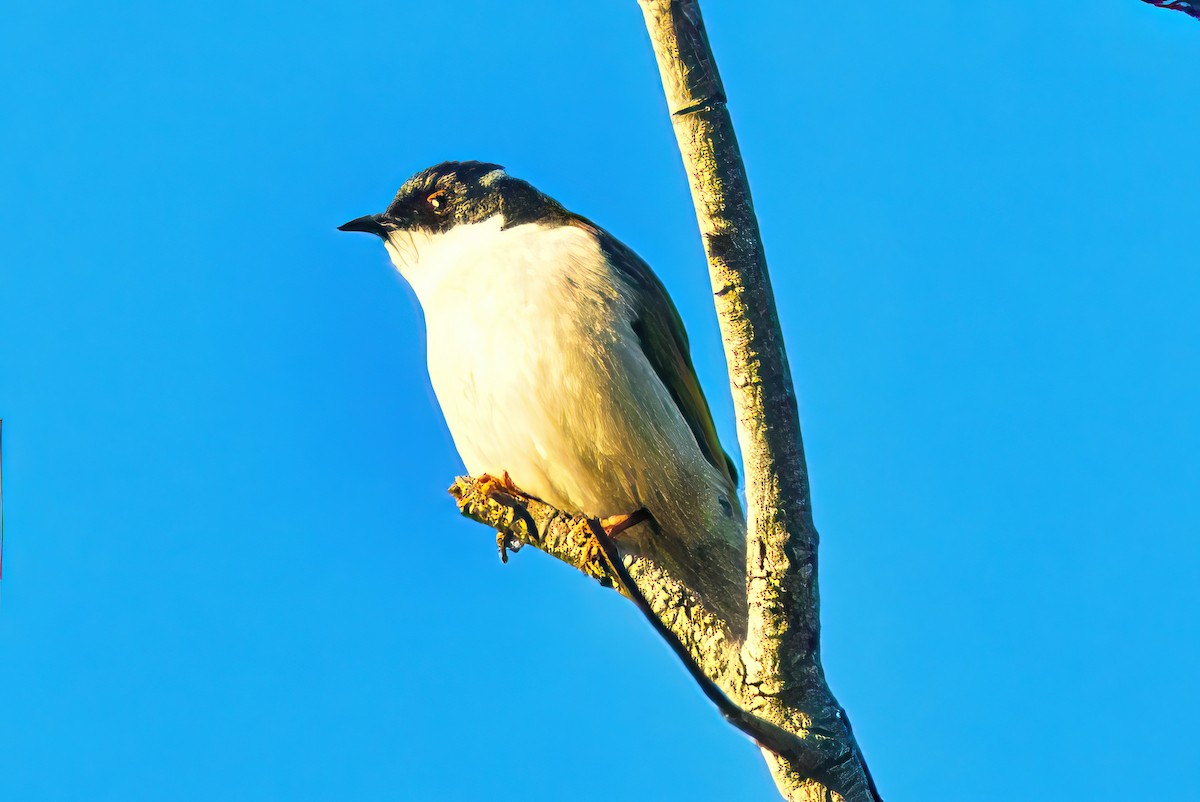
<point>232,571</point>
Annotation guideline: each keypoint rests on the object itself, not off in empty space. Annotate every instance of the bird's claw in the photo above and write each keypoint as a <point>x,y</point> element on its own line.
<point>486,492</point>
<point>488,485</point>
<point>505,542</point>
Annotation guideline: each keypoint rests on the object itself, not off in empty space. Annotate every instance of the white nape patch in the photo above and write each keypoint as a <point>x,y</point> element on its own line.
<point>492,177</point>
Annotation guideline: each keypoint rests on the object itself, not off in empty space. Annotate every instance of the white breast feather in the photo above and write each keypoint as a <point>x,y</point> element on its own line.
<point>538,371</point>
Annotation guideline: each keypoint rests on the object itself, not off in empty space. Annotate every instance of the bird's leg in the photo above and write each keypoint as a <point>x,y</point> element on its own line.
<point>589,531</point>
<point>584,532</point>
<point>614,525</point>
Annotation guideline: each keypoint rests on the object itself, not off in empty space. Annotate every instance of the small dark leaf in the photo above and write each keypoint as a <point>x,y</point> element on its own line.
<point>1189,7</point>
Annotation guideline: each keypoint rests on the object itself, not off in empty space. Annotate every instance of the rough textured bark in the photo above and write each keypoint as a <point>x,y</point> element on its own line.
<point>782,647</point>
<point>770,683</point>
<point>528,522</point>
<point>702,640</point>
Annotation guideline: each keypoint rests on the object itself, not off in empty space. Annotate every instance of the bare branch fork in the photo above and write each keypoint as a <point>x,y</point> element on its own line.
<point>771,684</point>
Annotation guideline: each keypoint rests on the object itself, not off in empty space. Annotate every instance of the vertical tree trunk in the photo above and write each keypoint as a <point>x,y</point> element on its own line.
<point>782,648</point>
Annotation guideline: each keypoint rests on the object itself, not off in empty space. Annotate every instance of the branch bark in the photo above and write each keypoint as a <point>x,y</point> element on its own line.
<point>782,647</point>
<point>770,684</point>
<point>695,634</point>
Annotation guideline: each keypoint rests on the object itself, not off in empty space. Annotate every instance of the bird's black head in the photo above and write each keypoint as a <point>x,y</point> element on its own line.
<point>445,195</point>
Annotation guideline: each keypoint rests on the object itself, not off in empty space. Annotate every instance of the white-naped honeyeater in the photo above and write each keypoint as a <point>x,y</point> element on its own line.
<point>560,361</point>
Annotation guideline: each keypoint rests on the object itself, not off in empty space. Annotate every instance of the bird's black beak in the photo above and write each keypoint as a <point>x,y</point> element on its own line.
<point>369,224</point>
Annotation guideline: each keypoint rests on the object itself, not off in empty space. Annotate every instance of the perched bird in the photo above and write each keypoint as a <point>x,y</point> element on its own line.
<point>559,359</point>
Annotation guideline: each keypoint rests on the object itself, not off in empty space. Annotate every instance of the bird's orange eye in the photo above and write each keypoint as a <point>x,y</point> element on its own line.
<point>437,201</point>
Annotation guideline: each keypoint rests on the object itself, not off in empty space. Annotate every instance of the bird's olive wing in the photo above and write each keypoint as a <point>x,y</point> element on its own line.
<point>664,341</point>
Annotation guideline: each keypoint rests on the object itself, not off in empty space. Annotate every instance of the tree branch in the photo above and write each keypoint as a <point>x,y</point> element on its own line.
<point>705,639</point>
<point>694,634</point>
<point>782,647</point>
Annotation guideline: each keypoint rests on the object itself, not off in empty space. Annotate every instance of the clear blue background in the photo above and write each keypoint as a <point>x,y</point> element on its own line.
<point>232,571</point>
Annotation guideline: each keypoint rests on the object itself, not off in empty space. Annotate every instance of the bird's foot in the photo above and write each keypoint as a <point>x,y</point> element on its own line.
<point>614,525</point>
<point>488,485</point>
<point>506,542</point>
